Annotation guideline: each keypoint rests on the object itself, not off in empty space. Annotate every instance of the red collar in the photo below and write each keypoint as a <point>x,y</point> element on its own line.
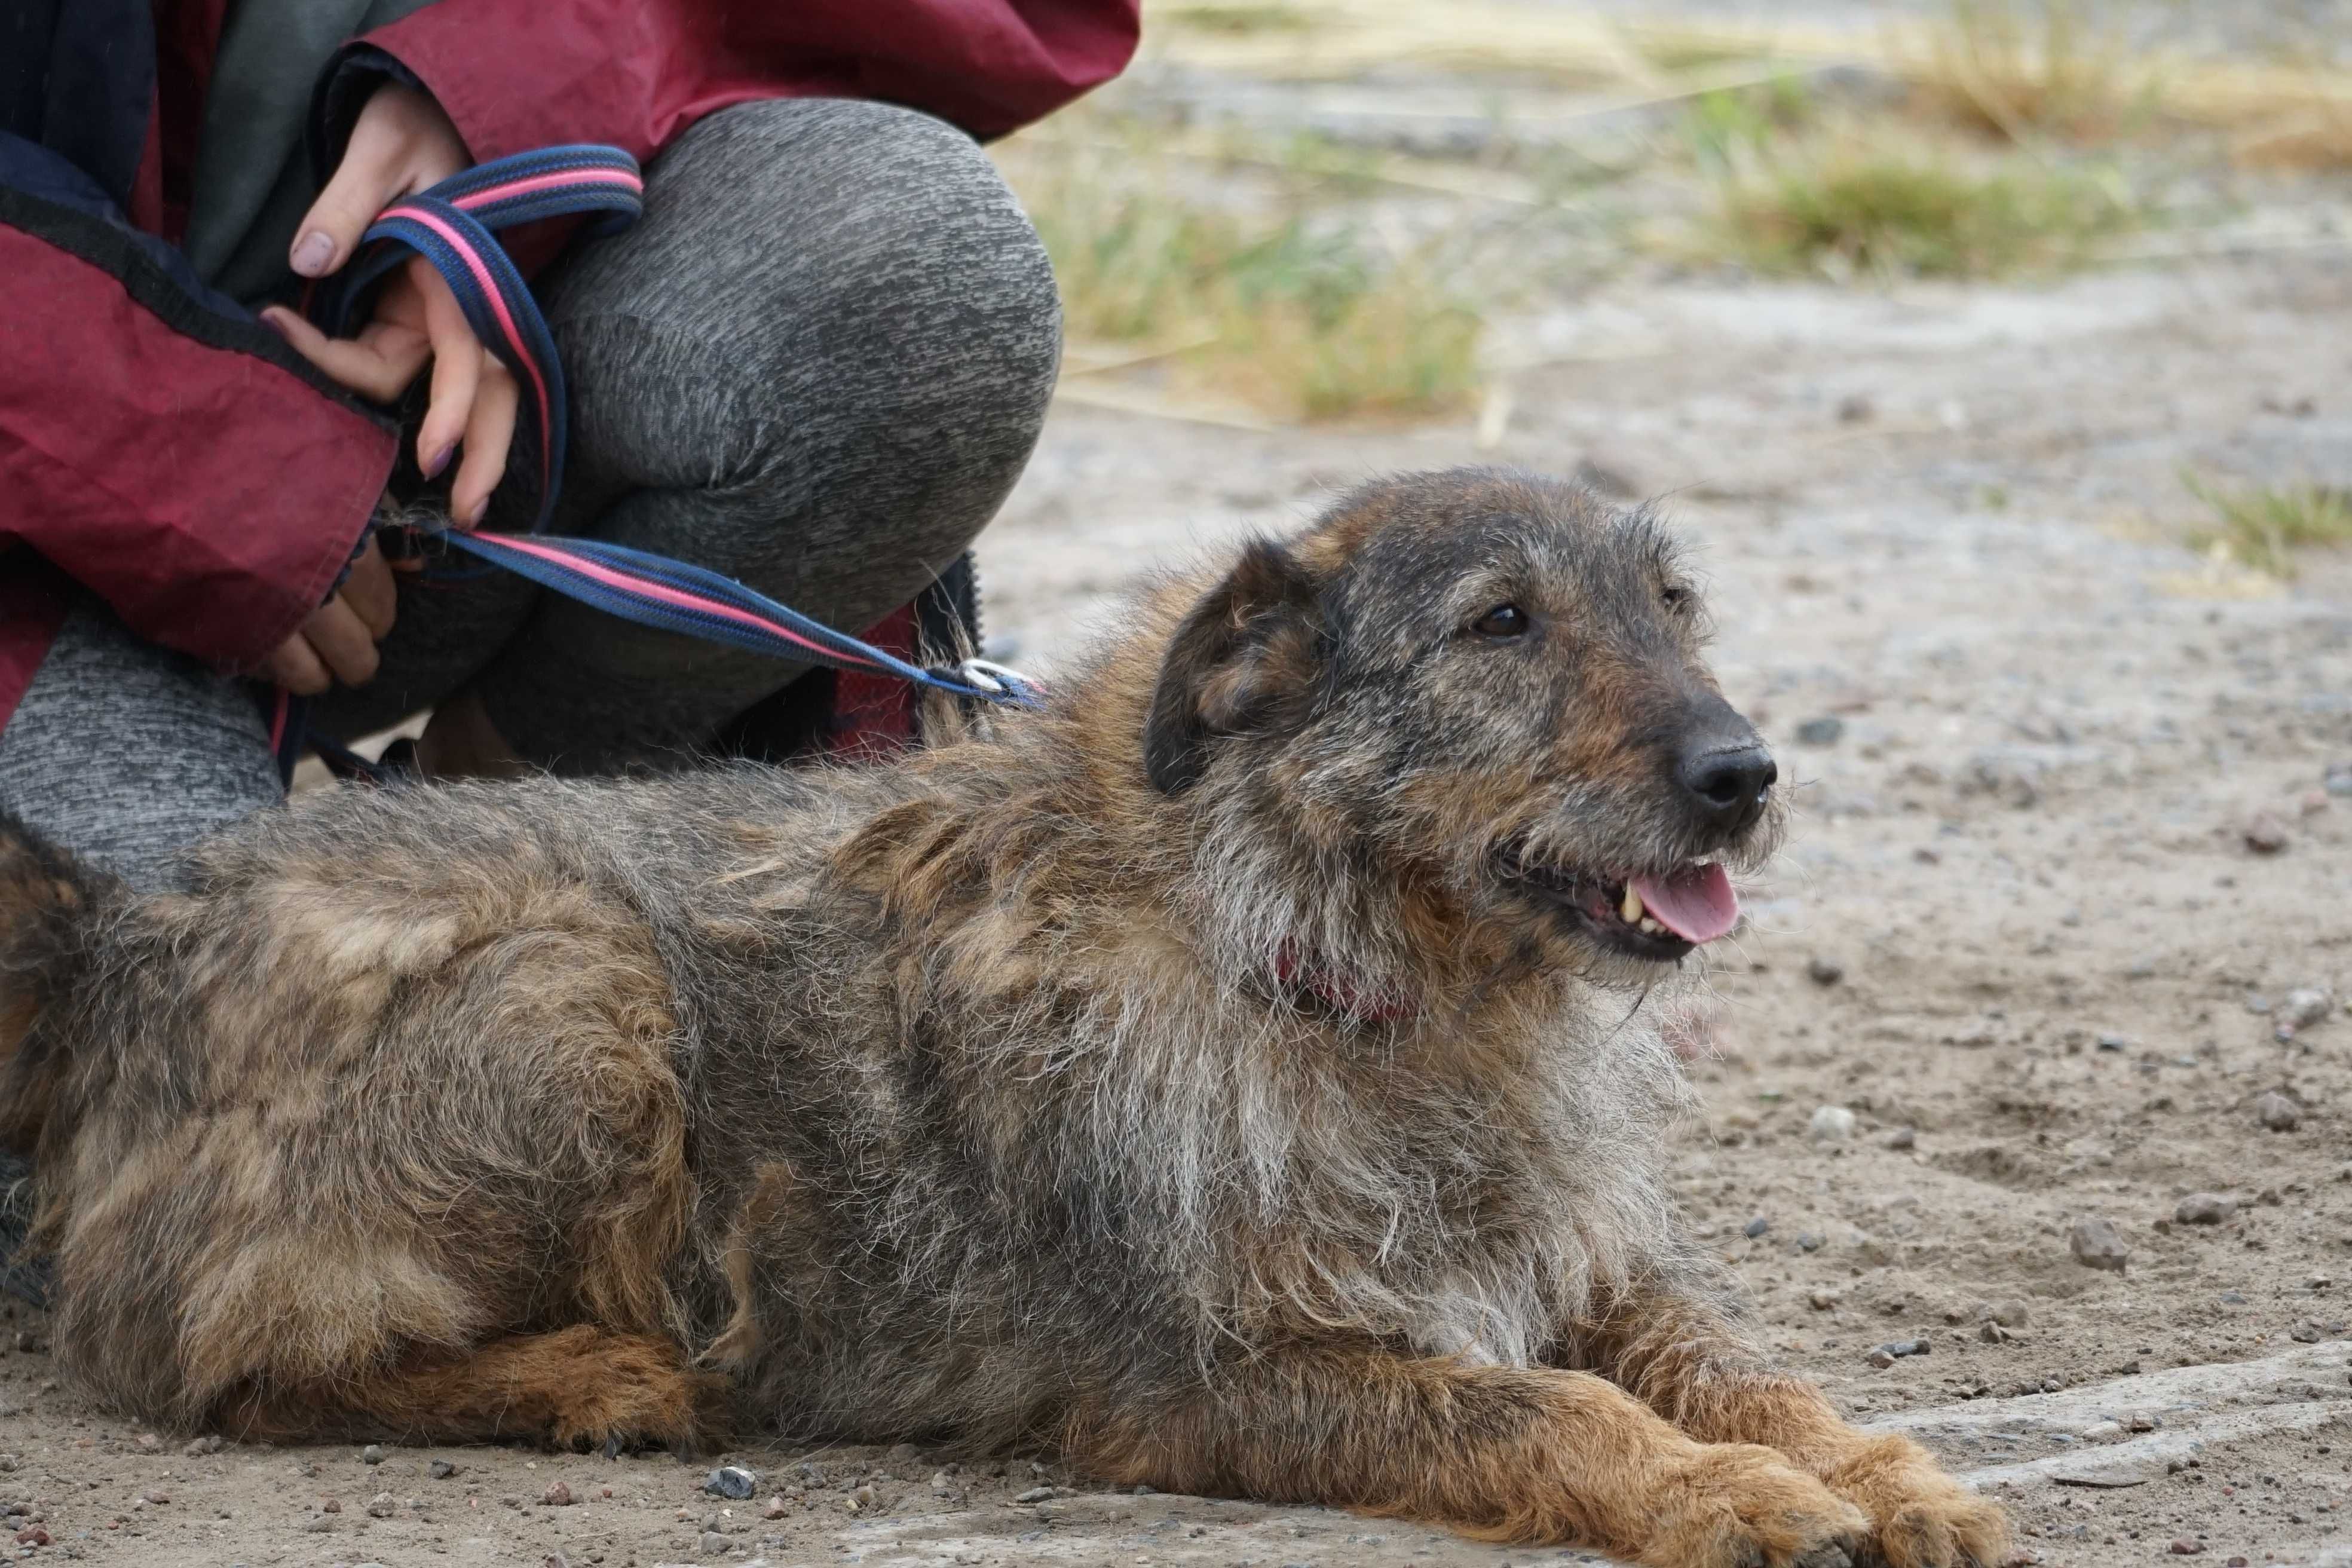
<point>1351,996</point>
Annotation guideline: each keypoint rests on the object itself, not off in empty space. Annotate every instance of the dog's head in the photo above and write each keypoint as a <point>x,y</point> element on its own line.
<point>1486,683</point>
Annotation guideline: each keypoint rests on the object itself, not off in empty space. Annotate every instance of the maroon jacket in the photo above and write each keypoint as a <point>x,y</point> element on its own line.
<point>161,448</point>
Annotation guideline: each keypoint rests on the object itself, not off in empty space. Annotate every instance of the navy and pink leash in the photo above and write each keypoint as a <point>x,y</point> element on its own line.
<point>452,227</point>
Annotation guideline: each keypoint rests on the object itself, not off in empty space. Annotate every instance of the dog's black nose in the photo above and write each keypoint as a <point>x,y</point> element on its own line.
<point>1725,780</point>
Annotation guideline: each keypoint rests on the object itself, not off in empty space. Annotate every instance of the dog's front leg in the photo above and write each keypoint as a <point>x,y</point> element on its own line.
<point>1688,1361</point>
<point>1510,1454</point>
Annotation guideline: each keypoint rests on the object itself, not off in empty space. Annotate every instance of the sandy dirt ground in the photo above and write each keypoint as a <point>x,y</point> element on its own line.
<point>2063,936</point>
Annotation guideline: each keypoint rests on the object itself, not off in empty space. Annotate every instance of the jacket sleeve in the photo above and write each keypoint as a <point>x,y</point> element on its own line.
<point>159,445</point>
<point>513,75</point>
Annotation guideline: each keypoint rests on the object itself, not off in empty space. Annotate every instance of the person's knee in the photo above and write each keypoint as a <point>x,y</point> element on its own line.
<point>893,238</point>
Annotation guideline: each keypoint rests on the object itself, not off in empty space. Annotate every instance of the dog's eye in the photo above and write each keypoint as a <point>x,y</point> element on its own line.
<point>1675,598</point>
<point>1502,622</point>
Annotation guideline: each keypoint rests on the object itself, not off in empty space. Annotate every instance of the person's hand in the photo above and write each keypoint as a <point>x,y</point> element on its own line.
<point>401,144</point>
<point>338,641</point>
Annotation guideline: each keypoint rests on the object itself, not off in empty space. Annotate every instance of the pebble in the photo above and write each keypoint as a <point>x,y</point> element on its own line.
<point>379,1506</point>
<point>1823,971</point>
<point>1830,1124</point>
<point>714,1544</point>
<point>2139,1421</point>
<point>777,1508</point>
<point>1992,1333</point>
<point>2306,1007</point>
<point>371,1454</point>
<point>1902,1137</point>
<point>2096,1244</point>
<point>319,1524</point>
<point>2204,1208</point>
<point>2114,1042</point>
<point>1758,1226</point>
<point>1037,1494</point>
<point>1825,731</point>
<point>2277,1113</point>
<point>1856,408</point>
<point>2337,779</point>
<point>2184,1546</point>
<point>731,1481</point>
<point>1808,1241</point>
<point>2011,1314</point>
<point>2266,833</point>
<point>557,1495</point>
<point>196,1447</point>
<point>442,1470</point>
<point>1894,1349</point>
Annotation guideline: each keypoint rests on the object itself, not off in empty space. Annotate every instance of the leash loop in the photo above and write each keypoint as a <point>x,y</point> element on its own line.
<point>453,227</point>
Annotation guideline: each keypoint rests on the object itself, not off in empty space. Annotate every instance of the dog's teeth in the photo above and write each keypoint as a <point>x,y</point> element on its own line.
<point>1653,927</point>
<point>1632,908</point>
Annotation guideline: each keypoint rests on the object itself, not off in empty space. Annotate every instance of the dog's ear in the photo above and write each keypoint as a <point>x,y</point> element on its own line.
<point>1242,662</point>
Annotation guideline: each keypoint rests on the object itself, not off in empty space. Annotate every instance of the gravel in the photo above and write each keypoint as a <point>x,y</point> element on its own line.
<point>2096,1244</point>
<point>2277,1113</point>
<point>1830,1124</point>
<point>2304,1007</point>
<point>731,1481</point>
<point>1824,971</point>
<point>2204,1208</point>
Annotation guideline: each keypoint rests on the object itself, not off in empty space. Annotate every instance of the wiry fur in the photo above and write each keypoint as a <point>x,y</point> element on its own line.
<point>1027,1089</point>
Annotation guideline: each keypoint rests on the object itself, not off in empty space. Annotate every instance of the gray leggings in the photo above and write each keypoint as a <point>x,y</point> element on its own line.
<point>817,363</point>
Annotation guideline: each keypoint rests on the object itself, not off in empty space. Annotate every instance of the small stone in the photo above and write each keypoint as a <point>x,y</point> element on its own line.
<point>863,1498</point>
<point>2310,1332</point>
<point>1880,1359</point>
<point>777,1508</point>
<point>2304,1007</point>
<point>1808,1241</point>
<point>2337,779</point>
<point>1037,1494</point>
<point>371,1454</point>
<point>318,1524</point>
<point>1825,731</point>
<point>557,1495</point>
<point>731,1481</point>
<point>332,1505</point>
<point>2139,1421</point>
<point>2114,1042</point>
<point>715,1544</point>
<point>2277,1113</point>
<point>2186,1546</point>
<point>1902,1137</point>
<point>381,1506</point>
<point>2096,1244</point>
<point>1856,408</point>
<point>196,1447</point>
<point>2266,833</point>
<point>2204,1208</point>
<point>155,1500</point>
<point>1823,1301</point>
<point>1894,1349</point>
<point>2011,1314</point>
<point>1823,970</point>
<point>149,1443</point>
<point>1830,1124</point>
<point>1992,1333</point>
<point>441,1469</point>
<point>1758,1226</point>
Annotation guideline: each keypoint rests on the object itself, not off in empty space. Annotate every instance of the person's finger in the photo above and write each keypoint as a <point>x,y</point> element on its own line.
<point>342,641</point>
<point>368,589</point>
<point>366,180</point>
<point>488,437</point>
<point>456,372</point>
<point>295,667</point>
<point>376,366</point>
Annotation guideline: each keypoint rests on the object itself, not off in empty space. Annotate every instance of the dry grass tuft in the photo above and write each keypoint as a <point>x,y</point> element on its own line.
<point>1798,192</point>
<point>2036,68</point>
<point>2262,526</point>
<point>1299,311</point>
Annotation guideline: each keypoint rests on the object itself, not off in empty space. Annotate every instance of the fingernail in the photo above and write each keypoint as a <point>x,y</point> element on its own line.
<point>476,512</point>
<point>313,252</point>
<point>439,460</point>
<point>269,319</point>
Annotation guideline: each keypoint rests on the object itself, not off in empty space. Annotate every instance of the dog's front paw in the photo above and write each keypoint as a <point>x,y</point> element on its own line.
<point>1737,1506</point>
<point>1919,1516</point>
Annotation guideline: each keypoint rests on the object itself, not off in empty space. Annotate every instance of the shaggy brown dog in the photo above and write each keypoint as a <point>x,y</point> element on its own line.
<point>1233,1075</point>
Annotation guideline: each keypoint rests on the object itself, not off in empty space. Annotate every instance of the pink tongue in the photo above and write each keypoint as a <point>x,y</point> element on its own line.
<point>1697,904</point>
